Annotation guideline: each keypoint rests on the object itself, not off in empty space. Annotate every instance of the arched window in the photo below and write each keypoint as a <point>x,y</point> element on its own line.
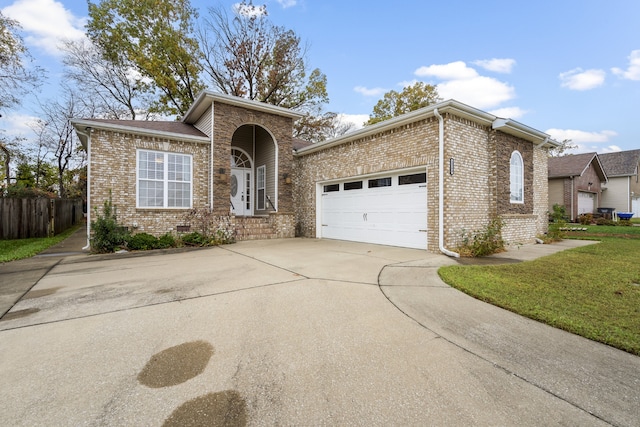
<point>239,159</point>
<point>516,178</point>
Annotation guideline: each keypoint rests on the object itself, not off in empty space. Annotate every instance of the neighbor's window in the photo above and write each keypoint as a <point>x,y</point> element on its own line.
<point>516,178</point>
<point>261,193</point>
<point>164,180</point>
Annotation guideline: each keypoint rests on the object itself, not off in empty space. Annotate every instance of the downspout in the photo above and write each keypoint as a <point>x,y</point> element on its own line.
<point>441,187</point>
<point>87,135</point>
<point>211,156</point>
<point>573,187</point>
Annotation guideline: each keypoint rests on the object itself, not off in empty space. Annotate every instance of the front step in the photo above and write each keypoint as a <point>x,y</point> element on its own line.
<point>254,228</point>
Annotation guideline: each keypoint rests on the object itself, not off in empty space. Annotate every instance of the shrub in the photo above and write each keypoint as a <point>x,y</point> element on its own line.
<point>107,234</point>
<point>142,242</point>
<point>483,242</point>
<point>605,221</point>
<point>585,219</point>
<point>559,218</point>
<point>166,241</point>
<point>193,239</point>
<point>624,223</point>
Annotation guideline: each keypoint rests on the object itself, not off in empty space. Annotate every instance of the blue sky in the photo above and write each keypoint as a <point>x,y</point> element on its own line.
<point>570,68</point>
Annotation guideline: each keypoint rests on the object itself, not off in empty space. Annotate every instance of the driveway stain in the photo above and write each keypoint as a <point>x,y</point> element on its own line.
<point>40,293</point>
<point>225,408</point>
<point>176,365</point>
<point>20,313</point>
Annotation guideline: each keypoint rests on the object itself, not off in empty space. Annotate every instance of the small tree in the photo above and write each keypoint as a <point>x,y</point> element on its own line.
<point>107,234</point>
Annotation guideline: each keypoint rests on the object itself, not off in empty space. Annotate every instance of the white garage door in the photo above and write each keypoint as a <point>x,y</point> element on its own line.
<point>388,210</point>
<point>586,202</point>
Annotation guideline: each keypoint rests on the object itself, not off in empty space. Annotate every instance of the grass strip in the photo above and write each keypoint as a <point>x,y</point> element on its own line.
<point>11,250</point>
<point>592,291</point>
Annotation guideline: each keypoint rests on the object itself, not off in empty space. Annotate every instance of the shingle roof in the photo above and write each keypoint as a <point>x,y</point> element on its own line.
<point>571,165</point>
<point>160,126</point>
<point>300,143</point>
<point>622,163</point>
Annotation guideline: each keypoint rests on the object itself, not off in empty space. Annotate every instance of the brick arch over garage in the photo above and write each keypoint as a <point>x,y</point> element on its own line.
<point>227,120</point>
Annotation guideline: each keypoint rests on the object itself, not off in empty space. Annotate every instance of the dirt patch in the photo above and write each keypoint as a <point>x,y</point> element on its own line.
<point>20,313</point>
<point>164,291</point>
<point>226,408</point>
<point>40,293</point>
<point>176,365</point>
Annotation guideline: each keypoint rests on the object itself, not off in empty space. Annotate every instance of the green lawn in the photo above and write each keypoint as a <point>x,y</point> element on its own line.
<point>593,291</point>
<point>11,250</point>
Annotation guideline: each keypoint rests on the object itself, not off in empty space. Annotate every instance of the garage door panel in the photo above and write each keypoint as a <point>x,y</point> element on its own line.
<point>393,215</point>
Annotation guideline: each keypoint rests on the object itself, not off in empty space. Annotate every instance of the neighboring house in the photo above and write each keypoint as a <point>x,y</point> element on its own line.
<point>419,180</point>
<point>622,191</point>
<point>575,182</point>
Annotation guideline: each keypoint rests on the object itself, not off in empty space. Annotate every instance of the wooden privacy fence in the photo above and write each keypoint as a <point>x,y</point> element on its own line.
<point>25,218</point>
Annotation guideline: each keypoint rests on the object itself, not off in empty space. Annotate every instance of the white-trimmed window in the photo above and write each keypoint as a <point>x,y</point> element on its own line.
<point>516,178</point>
<point>164,180</point>
<point>261,175</point>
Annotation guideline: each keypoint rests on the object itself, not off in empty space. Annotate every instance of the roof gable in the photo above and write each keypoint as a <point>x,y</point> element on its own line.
<point>621,163</point>
<point>575,165</point>
<point>207,97</point>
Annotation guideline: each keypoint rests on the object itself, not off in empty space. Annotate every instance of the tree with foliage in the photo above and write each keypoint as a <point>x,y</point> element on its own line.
<point>249,57</point>
<point>155,38</point>
<point>16,78</point>
<point>411,98</point>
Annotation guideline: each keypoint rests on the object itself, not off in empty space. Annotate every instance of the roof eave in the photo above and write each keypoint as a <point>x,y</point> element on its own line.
<point>520,130</point>
<point>84,125</point>
<point>201,104</point>
<point>450,106</point>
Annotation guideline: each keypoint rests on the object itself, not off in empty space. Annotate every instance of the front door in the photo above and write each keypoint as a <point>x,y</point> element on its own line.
<point>241,192</point>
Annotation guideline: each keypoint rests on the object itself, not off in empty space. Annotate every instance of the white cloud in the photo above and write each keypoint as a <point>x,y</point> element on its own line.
<point>17,124</point>
<point>463,83</point>
<point>504,65</point>
<point>358,120</point>
<point>287,3</point>
<point>633,71</point>
<point>452,71</point>
<point>480,92</point>
<point>509,112</point>
<point>579,79</point>
<point>376,91</point>
<point>46,23</point>
<point>580,136</point>
<point>586,142</point>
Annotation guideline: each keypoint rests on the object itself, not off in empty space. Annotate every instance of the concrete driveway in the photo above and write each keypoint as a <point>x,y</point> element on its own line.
<point>294,332</point>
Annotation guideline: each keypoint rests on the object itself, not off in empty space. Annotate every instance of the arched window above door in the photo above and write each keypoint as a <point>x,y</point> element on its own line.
<point>239,159</point>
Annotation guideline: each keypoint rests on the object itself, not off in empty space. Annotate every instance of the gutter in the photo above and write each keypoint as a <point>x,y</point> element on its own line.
<point>441,187</point>
<point>87,134</point>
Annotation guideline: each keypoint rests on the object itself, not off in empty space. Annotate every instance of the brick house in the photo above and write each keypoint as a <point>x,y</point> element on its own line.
<point>575,182</point>
<point>418,180</point>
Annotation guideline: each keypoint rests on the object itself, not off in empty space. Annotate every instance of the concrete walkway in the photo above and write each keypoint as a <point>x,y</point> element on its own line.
<point>294,332</point>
